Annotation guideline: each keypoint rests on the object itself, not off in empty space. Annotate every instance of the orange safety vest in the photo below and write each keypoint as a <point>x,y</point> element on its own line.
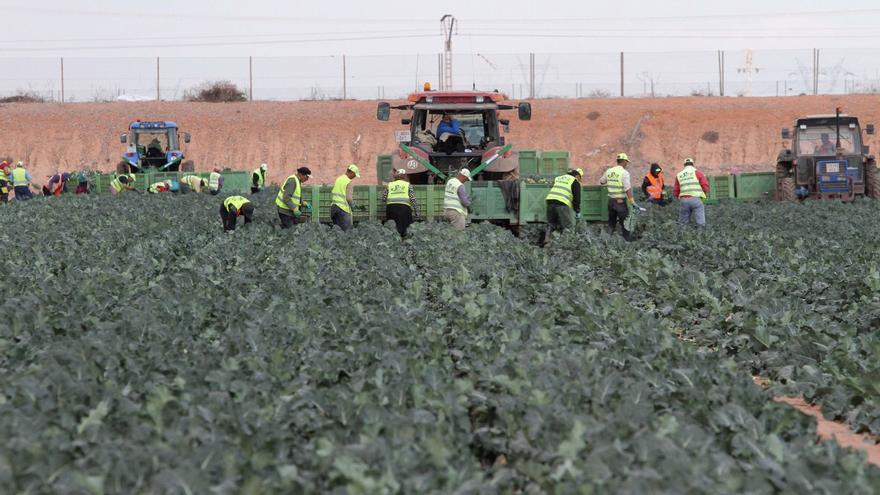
<point>655,189</point>
<point>55,189</point>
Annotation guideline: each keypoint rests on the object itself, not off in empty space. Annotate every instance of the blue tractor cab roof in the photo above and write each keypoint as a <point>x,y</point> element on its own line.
<point>167,124</point>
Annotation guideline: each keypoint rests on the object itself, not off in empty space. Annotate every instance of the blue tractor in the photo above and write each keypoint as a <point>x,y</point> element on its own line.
<point>153,146</point>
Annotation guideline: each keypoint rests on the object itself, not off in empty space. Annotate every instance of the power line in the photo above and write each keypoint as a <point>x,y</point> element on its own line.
<point>210,36</point>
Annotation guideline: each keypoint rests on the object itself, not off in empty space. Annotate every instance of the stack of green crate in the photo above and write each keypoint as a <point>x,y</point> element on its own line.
<point>554,162</point>
<point>721,187</point>
<point>528,162</point>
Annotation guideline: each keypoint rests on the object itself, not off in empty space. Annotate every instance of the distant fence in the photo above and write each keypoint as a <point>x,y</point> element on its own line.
<point>525,75</point>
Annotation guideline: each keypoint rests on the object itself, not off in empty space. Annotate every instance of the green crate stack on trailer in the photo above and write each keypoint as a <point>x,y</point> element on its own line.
<point>528,162</point>
<point>755,185</point>
<point>721,187</point>
<point>554,162</point>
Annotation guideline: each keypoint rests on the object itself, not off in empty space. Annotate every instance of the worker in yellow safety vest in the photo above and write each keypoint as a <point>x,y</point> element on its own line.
<point>343,201</point>
<point>122,183</point>
<point>456,202</point>
<point>22,182</point>
<point>620,195</point>
<point>4,182</point>
<point>215,182</point>
<point>258,178</point>
<point>234,207</point>
<point>192,183</point>
<point>400,202</point>
<point>691,188</point>
<point>563,203</point>
<point>289,202</point>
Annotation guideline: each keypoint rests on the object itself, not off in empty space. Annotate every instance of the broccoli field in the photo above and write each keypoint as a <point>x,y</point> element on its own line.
<point>142,350</point>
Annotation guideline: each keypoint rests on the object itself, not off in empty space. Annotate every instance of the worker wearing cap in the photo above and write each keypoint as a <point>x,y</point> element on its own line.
<point>4,182</point>
<point>456,201</point>
<point>620,196</point>
<point>289,202</point>
<point>234,207</point>
<point>56,185</point>
<point>400,202</point>
<point>563,203</point>
<point>192,183</point>
<point>215,182</point>
<point>258,178</point>
<point>122,183</point>
<point>82,185</point>
<point>22,182</point>
<point>343,200</point>
<point>691,188</point>
<point>653,184</point>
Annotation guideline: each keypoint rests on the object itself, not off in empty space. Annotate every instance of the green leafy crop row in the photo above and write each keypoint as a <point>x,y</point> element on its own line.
<point>143,350</point>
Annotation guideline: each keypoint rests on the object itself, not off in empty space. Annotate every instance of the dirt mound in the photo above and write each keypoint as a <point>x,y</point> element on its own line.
<point>327,136</point>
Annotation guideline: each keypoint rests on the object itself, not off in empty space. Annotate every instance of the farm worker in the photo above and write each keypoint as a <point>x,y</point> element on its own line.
<point>826,147</point>
<point>22,182</point>
<point>258,178</point>
<point>122,183</point>
<point>289,201</point>
<point>456,202</point>
<point>343,201</point>
<point>691,187</point>
<point>82,186</point>
<point>192,183</point>
<point>4,182</point>
<point>234,207</point>
<point>652,185</point>
<point>56,185</point>
<point>215,182</point>
<point>620,196</point>
<point>159,187</point>
<point>448,125</point>
<point>563,203</point>
<point>400,202</point>
<point>155,145</point>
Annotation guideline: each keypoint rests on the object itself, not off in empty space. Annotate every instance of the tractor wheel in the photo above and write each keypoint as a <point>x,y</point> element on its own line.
<point>786,190</point>
<point>188,166</point>
<point>872,181</point>
<point>122,168</point>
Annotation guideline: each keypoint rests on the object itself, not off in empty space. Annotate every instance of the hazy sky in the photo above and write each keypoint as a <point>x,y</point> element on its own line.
<point>282,28</point>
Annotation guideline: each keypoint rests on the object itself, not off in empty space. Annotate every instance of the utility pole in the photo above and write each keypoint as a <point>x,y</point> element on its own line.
<point>749,70</point>
<point>815,71</point>
<point>344,80</point>
<point>447,25</point>
<point>157,80</point>
<point>621,74</point>
<point>531,75</point>
<point>720,72</point>
<point>251,78</point>
<point>62,79</point>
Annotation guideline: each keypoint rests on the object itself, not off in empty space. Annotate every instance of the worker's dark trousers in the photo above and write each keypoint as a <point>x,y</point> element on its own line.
<point>402,216</point>
<point>559,217</point>
<point>340,218</point>
<point>228,219</point>
<point>617,213</point>
<point>255,190</point>
<point>23,192</point>
<point>287,219</point>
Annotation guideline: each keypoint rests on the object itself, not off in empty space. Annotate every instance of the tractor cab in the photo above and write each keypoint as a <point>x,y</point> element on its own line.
<point>154,145</point>
<point>827,158</point>
<point>450,130</point>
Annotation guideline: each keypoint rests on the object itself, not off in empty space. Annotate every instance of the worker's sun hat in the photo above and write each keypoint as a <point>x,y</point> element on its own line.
<point>465,173</point>
<point>305,171</point>
<point>622,156</point>
<point>578,171</point>
<point>264,166</point>
<point>688,161</point>
<point>354,169</point>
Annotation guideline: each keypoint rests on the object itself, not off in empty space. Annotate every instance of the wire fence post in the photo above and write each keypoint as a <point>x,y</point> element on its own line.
<point>621,74</point>
<point>62,79</point>
<point>158,94</point>
<point>251,78</point>
<point>344,80</point>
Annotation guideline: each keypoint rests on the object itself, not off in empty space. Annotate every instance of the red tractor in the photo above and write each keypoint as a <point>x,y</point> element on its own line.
<point>451,130</point>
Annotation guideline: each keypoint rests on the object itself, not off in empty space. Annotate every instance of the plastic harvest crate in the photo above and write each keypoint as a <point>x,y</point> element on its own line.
<point>554,162</point>
<point>755,185</point>
<point>528,162</point>
<point>533,207</point>
<point>721,187</point>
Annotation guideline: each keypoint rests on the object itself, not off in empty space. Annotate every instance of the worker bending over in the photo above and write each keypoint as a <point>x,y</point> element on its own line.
<point>563,203</point>
<point>289,202</point>
<point>192,183</point>
<point>215,182</point>
<point>620,196</point>
<point>258,178</point>
<point>56,185</point>
<point>456,202</point>
<point>122,183</point>
<point>653,184</point>
<point>234,207</point>
<point>22,182</point>
<point>343,200</point>
<point>691,188</point>
<point>400,202</point>
<point>4,182</point>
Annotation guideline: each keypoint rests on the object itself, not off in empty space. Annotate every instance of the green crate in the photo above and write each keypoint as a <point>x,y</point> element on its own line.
<point>721,187</point>
<point>430,201</point>
<point>528,162</point>
<point>755,185</point>
<point>488,202</point>
<point>532,207</point>
<point>554,162</point>
<point>594,203</point>
<point>383,168</point>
